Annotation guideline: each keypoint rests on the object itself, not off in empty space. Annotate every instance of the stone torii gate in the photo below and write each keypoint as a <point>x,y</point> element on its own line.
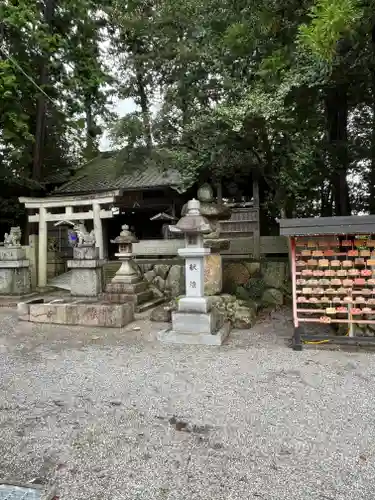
<point>69,208</point>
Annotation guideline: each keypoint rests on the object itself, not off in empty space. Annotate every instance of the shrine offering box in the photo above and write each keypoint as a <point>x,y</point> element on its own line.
<point>333,274</point>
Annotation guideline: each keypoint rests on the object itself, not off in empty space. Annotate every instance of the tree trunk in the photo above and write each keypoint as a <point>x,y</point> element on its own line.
<point>326,201</point>
<point>91,149</point>
<point>49,10</point>
<point>40,126</point>
<point>371,204</point>
<point>336,104</point>
<point>143,101</point>
<point>372,171</point>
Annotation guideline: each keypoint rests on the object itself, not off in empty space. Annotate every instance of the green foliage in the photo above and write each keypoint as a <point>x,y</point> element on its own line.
<point>224,90</point>
<point>331,20</point>
<point>73,94</point>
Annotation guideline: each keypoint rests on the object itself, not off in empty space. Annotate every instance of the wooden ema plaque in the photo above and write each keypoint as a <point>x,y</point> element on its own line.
<point>334,279</point>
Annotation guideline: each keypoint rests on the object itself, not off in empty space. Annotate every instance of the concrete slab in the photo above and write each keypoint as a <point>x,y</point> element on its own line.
<point>121,298</point>
<point>13,300</point>
<point>76,313</point>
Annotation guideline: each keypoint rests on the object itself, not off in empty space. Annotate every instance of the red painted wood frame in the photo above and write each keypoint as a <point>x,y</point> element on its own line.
<point>327,300</point>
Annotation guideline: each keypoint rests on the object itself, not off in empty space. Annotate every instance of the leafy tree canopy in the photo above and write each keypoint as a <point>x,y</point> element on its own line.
<point>224,89</point>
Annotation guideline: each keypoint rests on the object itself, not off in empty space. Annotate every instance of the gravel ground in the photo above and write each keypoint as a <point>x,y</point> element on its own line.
<point>110,414</point>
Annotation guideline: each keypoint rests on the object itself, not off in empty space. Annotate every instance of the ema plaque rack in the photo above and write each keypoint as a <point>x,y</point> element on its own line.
<point>333,275</point>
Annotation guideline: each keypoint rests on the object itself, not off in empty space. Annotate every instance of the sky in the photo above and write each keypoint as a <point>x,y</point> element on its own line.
<point>122,107</point>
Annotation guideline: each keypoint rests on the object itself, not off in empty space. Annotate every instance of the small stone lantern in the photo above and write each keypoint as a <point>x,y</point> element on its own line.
<point>127,272</point>
<point>195,322</point>
<point>128,286</point>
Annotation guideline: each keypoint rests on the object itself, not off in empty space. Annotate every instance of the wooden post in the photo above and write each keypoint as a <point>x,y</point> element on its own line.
<point>256,251</point>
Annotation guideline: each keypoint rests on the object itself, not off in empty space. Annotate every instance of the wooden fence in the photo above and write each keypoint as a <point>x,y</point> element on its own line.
<point>244,223</point>
<point>239,247</point>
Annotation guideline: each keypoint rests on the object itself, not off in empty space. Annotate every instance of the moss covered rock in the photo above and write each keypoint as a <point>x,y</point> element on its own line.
<point>234,274</point>
<point>274,273</point>
<point>272,297</point>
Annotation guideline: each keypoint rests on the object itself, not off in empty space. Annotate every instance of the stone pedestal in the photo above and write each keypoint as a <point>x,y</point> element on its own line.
<point>195,321</point>
<point>213,266</point>
<point>87,279</point>
<point>15,276</point>
<point>136,293</point>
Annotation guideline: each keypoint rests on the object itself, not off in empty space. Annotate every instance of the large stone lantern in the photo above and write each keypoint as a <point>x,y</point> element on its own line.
<point>195,322</point>
<point>194,226</point>
<point>214,213</point>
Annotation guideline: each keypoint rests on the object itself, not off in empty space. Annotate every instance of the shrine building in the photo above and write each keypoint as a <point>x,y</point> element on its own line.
<point>105,194</point>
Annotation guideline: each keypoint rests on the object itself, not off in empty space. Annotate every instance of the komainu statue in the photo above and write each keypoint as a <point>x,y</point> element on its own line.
<point>84,237</point>
<point>13,239</point>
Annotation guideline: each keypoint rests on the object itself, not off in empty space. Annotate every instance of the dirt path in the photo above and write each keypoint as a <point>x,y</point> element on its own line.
<point>114,414</point>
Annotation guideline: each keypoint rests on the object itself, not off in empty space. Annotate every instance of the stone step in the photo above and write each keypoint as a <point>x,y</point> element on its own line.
<point>147,298</point>
<point>121,298</point>
<point>126,287</point>
<point>150,304</point>
<point>109,270</point>
<point>62,281</point>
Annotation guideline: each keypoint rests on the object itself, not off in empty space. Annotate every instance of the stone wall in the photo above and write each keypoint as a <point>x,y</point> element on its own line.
<point>247,286</point>
<point>266,282</point>
<point>167,278</point>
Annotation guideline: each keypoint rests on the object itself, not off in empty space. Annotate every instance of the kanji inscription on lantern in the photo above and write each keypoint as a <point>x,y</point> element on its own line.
<point>194,277</point>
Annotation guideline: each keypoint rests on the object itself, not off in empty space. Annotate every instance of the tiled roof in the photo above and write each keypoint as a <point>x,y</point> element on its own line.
<point>57,177</point>
<point>111,171</point>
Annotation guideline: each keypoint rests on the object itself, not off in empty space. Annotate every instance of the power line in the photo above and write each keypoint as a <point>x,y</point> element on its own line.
<point>16,64</point>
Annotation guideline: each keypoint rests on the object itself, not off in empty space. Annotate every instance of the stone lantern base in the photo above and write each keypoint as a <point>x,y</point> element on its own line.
<point>127,286</point>
<point>130,288</point>
<point>196,323</point>
<point>135,293</point>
